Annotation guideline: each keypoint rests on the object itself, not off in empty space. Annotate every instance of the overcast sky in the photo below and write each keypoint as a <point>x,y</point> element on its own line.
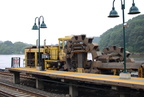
<point>62,17</point>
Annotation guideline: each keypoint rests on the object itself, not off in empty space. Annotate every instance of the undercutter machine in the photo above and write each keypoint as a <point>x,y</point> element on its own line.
<point>79,54</point>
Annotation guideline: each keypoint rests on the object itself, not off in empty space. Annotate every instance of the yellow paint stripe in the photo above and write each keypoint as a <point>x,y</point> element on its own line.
<point>90,74</point>
<point>94,74</point>
<point>103,79</point>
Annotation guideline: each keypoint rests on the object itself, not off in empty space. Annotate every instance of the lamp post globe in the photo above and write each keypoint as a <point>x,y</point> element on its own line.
<point>134,9</point>
<point>113,13</point>
<point>35,27</point>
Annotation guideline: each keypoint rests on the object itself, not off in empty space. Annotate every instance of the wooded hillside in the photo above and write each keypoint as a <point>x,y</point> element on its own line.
<point>134,35</point>
<point>7,47</point>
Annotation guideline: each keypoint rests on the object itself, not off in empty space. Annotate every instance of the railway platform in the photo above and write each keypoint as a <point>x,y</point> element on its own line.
<point>114,81</point>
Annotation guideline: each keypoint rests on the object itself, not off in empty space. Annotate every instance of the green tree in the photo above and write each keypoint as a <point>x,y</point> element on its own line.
<point>134,35</point>
<point>7,47</point>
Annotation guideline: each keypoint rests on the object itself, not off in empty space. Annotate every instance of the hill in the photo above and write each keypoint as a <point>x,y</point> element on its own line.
<point>134,35</point>
<point>7,47</point>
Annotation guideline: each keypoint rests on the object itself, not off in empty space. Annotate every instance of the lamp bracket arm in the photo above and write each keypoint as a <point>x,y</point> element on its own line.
<point>133,1</point>
<point>40,18</point>
<point>113,3</point>
<point>123,4</point>
<point>35,19</point>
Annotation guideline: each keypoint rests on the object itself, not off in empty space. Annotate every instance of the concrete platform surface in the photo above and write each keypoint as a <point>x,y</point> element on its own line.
<point>134,82</point>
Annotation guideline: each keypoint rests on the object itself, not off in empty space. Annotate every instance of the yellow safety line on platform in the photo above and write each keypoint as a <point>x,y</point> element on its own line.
<point>106,79</point>
<point>83,73</point>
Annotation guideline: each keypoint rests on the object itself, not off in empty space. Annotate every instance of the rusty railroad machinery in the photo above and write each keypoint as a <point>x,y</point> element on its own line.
<point>79,54</point>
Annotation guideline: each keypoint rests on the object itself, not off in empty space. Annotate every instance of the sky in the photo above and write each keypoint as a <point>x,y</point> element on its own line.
<point>62,17</point>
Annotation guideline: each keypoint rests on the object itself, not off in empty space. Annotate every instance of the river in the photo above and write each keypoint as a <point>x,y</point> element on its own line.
<point>5,60</point>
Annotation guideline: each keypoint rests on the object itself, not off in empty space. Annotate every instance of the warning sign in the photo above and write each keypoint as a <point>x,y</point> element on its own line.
<point>15,62</point>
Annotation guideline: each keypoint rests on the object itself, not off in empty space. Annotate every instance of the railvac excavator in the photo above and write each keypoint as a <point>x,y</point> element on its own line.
<point>79,54</point>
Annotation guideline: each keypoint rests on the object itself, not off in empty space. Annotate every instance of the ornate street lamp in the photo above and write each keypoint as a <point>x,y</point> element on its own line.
<point>113,14</point>
<point>35,27</point>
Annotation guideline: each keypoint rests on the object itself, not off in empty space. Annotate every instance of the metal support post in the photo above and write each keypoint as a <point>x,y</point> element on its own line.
<point>123,92</point>
<point>124,39</point>
<point>39,57</point>
<point>73,90</point>
<point>16,77</point>
<point>80,68</point>
<point>39,83</point>
<point>124,75</point>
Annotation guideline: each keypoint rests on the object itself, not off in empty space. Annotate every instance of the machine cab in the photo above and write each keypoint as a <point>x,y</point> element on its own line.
<point>62,43</point>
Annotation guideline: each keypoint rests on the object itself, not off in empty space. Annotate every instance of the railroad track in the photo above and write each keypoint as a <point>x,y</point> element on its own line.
<point>6,73</point>
<point>27,83</point>
<point>14,90</point>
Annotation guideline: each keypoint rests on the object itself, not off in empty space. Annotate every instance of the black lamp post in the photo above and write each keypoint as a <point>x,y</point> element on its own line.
<point>113,14</point>
<point>35,27</point>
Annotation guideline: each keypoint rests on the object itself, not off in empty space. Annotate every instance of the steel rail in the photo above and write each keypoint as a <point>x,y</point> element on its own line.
<point>22,75</point>
<point>19,90</point>
<point>6,94</point>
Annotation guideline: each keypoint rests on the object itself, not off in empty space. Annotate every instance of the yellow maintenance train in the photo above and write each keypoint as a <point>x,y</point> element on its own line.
<point>79,54</point>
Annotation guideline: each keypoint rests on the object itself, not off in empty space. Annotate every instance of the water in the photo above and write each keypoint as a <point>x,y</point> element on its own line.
<point>5,60</point>
<point>138,57</point>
